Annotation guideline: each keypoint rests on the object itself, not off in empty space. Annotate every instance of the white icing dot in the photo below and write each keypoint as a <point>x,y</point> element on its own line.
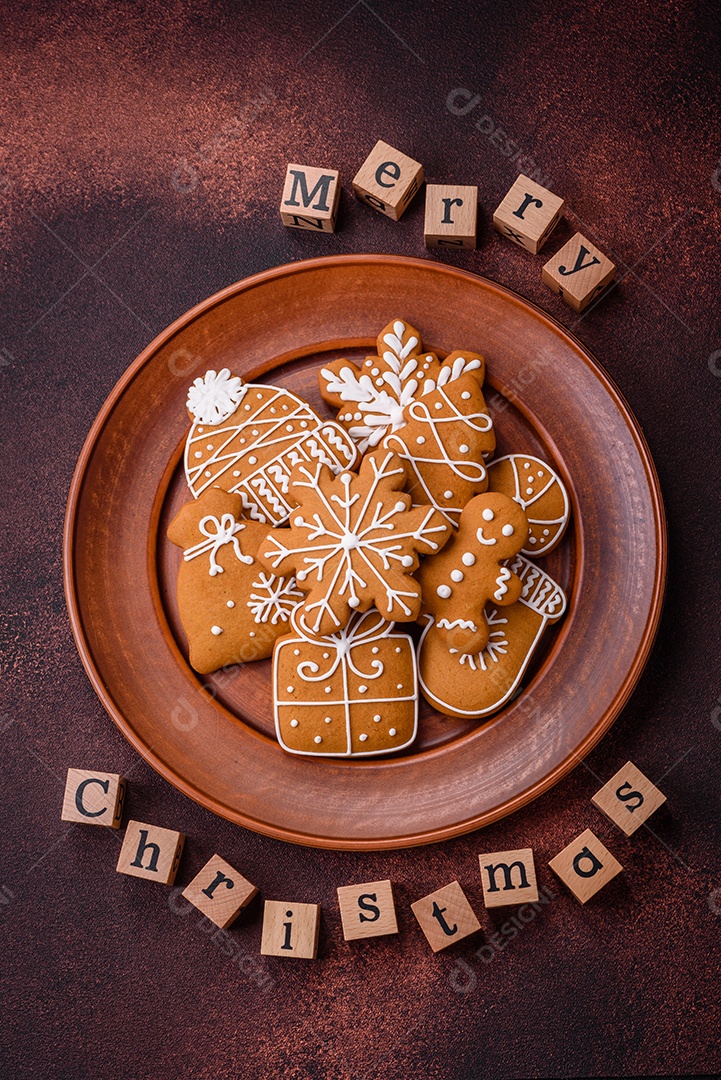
<point>398,648</point>
<point>252,633</point>
<point>407,560</point>
<point>532,539</point>
<point>439,404</point>
<point>200,430</point>
<point>508,530</point>
<point>247,407</point>
<point>374,649</point>
<point>448,494</point>
<point>465,395</point>
<point>288,427</point>
<point>527,465</point>
<point>392,731</point>
<point>317,739</point>
<point>379,382</point>
<point>539,475</point>
<point>289,689</point>
<point>242,442</point>
<point>236,472</point>
<point>294,723</point>
<point>374,372</point>
<point>376,718</point>
<point>363,737</point>
<point>301,575</point>
<point>304,423</point>
<point>198,453</point>
<point>329,719</point>
<point>230,603</point>
<point>299,522</point>
<point>326,655</point>
<point>488,514</point>
<point>545,532</point>
<point>296,652</point>
<point>208,472</point>
<point>285,408</point>
<point>468,558</point>
<point>209,446</point>
<point>529,479</point>
<point>216,630</point>
<point>362,689</point>
<point>444,591</point>
<point>463,448</point>
<point>529,491</point>
<point>399,686</point>
<point>252,460</point>
<point>399,507</point>
<point>357,416</point>
<point>456,575</point>
<point>420,440</point>
<point>328,689</point>
<point>354,602</point>
<point>273,409</point>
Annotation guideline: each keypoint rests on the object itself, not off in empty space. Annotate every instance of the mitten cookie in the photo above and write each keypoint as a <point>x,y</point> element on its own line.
<point>231,609</point>
<point>470,571</point>
<point>540,491</point>
<point>353,542</point>
<point>247,437</point>
<point>350,693</point>
<point>473,686</point>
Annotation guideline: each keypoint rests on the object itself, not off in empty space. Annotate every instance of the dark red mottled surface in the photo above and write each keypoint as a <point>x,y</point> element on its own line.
<point>137,176</point>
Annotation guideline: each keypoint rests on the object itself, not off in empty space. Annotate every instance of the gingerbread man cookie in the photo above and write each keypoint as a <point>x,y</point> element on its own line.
<point>231,609</point>
<point>470,572</point>
<point>354,541</point>
<point>540,491</point>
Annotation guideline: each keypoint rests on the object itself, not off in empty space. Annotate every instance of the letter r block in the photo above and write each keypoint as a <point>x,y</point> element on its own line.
<point>367,910</point>
<point>578,273</point>
<point>628,799</point>
<point>451,216</point>
<point>445,916</point>
<point>508,877</point>
<point>220,892</point>
<point>94,798</point>
<point>585,866</point>
<point>150,852</point>
<point>310,198</point>
<point>528,214</point>
<point>387,180</point>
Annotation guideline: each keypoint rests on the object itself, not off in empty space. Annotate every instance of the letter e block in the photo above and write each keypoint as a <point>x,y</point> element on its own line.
<point>150,852</point>
<point>387,180</point>
<point>508,877</point>
<point>290,929</point>
<point>628,799</point>
<point>367,910</point>
<point>451,216</point>
<point>585,866</point>
<point>445,916</point>
<point>528,214</point>
<point>310,198</point>
<point>578,273</point>
<point>94,798</point>
<point>220,892</point>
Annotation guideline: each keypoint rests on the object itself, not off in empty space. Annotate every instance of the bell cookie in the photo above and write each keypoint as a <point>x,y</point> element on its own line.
<point>354,693</point>
<point>464,685</point>
<point>247,437</point>
<point>471,571</point>
<point>231,609</point>
<point>540,491</point>
<point>354,542</point>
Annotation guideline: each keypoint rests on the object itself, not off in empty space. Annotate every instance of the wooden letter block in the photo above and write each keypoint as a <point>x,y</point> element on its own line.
<point>387,180</point>
<point>94,798</point>
<point>310,198</point>
<point>220,892</point>
<point>150,852</point>
<point>628,799</point>
<point>445,916</point>
<point>290,929</point>
<point>528,214</point>
<point>585,866</point>
<point>451,216</point>
<point>367,910</point>
<point>578,272</point>
<point>508,877</point>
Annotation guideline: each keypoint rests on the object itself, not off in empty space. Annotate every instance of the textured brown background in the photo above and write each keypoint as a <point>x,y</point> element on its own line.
<point>136,178</point>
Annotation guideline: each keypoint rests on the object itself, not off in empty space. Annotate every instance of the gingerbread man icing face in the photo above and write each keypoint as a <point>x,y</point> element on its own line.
<point>469,572</point>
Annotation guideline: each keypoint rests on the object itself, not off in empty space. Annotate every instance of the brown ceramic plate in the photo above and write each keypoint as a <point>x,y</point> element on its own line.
<point>213,737</point>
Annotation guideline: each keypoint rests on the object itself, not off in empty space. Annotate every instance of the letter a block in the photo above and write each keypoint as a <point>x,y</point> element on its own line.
<point>310,198</point>
<point>508,877</point>
<point>367,910</point>
<point>94,798</point>
<point>220,892</point>
<point>585,866</point>
<point>445,916</point>
<point>578,273</point>
<point>528,214</point>
<point>628,799</point>
<point>387,180</point>
<point>451,216</point>
<point>150,852</point>
<point>290,929</point>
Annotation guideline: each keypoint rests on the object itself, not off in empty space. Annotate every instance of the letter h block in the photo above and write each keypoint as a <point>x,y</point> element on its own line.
<point>528,214</point>
<point>578,273</point>
<point>310,198</point>
<point>508,877</point>
<point>94,798</point>
<point>445,916</point>
<point>585,866</point>
<point>150,852</point>
<point>387,180</point>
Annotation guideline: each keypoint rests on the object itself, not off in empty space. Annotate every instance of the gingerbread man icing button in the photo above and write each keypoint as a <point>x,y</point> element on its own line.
<point>469,572</point>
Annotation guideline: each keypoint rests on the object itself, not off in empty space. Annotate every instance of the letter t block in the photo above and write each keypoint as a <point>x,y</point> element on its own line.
<point>387,180</point>
<point>445,916</point>
<point>310,198</point>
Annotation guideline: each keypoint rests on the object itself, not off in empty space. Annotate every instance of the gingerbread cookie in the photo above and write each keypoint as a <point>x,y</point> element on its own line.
<point>247,437</point>
<point>477,685</point>
<point>231,609</point>
<point>353,542</point>
<point>353,693</point>
<point>470,572</point>
<point>540,491</point>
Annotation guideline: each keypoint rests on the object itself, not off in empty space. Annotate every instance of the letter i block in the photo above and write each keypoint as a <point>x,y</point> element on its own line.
<point>310,198</point>
<point>451,216</point>
<point>528,214</point>
<point>94,798</point>
<point>150,852</point>
<point>508,877</point>
<point>628,799</point>
<point>445,916</point>
<point>367,910</point>
<point>220,892</point>
<point>585,866</point>
<point>387,180</point>
<point>290,929</point>
<point>578,273</point>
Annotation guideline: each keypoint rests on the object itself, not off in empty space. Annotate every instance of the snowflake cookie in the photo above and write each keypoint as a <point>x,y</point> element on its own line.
<point>353,542</point>
<point>247,437</point>
<point>231,609</point>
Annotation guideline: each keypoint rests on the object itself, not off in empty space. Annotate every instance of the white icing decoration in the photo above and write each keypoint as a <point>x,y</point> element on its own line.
<point>318,739</point>
<point>448,494</point>
<point>275,598</point>
<point>481,538</point>
<point>218,533</point>
<point>508,530</point>
<point>362,737</point>
<point>488,514</point>
<point>230,603</point>
<point>215,396</point>
<point>464,624</point>
<point>464,448</point>
<point>294,723</point>
<point>376,718</point>
<point>528,497</point>
<point>392,731</point>
<point>444,591</point>
<point>216,630</point>
<point>457,575</point>
<point>501,580</point>
<point>468,558</point>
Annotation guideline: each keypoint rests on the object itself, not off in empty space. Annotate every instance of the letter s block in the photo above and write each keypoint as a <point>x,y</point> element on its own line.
<point>628,799</point>
<point>445,916</point>
<point>585,866</point>
<point>578,273</point>
<point>150,852</point>
<point>310,198</point>
<point>94,798</point>
<point>367,910</point>
<point>387,180</point>
<point>528,214</point>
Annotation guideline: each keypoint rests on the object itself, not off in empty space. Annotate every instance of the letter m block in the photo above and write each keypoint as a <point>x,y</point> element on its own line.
<point>310,198</point>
